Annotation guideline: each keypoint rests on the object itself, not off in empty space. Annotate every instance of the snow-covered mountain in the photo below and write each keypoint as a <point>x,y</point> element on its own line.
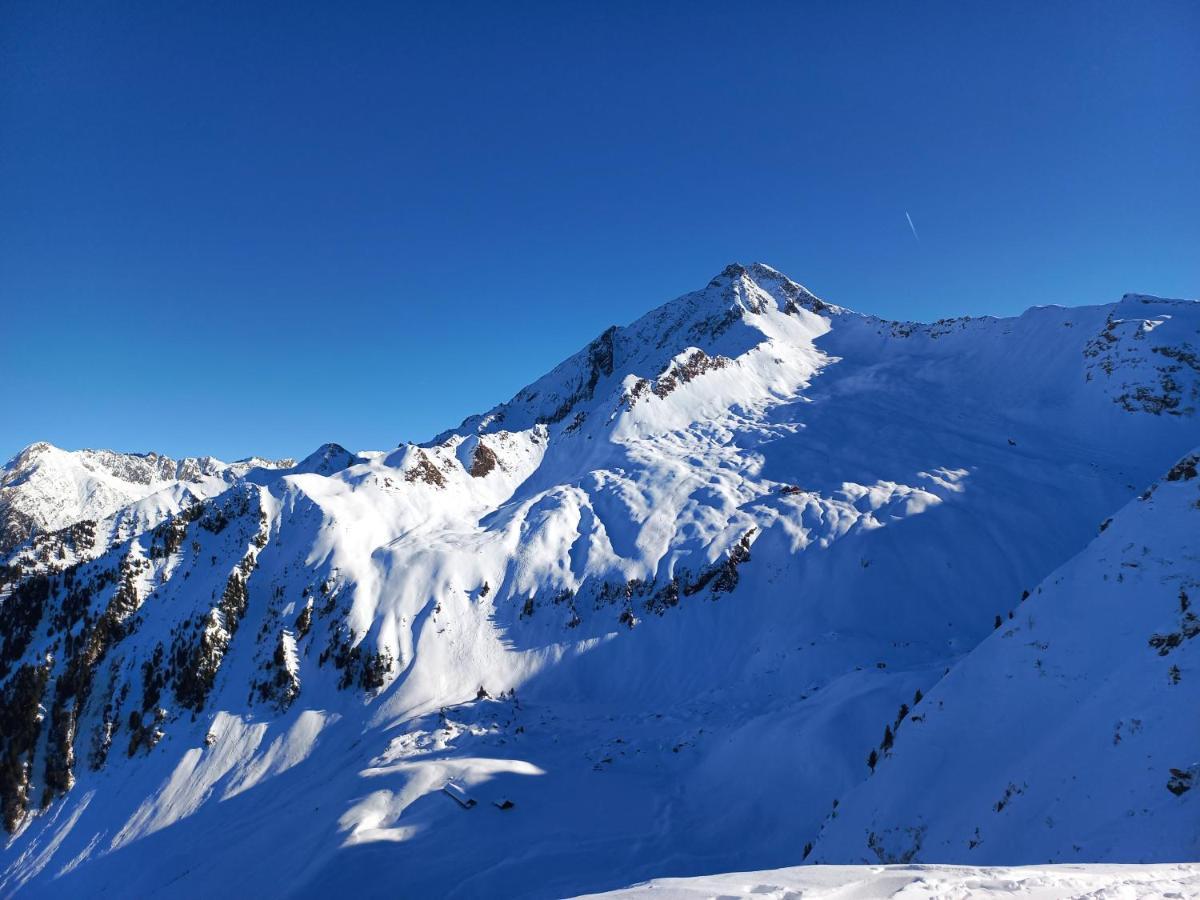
<point>646,618</point>
<point>1071,732</point>
<point>45,489</point>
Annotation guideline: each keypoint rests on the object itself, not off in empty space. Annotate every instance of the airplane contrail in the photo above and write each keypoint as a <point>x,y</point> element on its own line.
<point>911,225</point>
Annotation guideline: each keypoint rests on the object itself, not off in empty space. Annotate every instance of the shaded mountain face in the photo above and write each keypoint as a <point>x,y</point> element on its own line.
<point>660,602</point>
<point>1071,731</point>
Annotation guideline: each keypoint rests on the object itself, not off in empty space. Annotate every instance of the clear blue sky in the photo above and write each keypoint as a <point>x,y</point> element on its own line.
<point>250,228</point>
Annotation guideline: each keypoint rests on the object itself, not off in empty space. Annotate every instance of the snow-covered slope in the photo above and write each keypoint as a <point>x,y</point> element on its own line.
<point>1072,732</point>
<point>927,882</point>
<point>44,488</point>
<point>660,602</point>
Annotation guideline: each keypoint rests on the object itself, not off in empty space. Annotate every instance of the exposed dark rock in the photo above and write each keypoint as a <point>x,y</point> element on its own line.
<point>599,364</point>
<point>483,460</point>
<point>1181,781</point>
<point>696,364</point>
<point>425,471</point>
<point>1185,469</point>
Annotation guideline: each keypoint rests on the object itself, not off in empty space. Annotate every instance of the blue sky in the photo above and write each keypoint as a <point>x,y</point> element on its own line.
<point>242,228</point>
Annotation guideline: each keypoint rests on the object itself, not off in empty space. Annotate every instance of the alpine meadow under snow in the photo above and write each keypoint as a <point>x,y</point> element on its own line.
<point>754,581</point>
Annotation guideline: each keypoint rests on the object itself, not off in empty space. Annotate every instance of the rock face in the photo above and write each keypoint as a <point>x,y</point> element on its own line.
<point>675,589</point>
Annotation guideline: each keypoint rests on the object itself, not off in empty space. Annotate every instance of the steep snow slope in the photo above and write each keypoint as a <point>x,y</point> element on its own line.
<point>1072,732</point>
<point>660,601</point>
<point>44,488</point>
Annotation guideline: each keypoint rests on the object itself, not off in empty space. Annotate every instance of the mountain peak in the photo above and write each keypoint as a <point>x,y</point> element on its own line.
<point>753,271</point>
<point>731,271</point>
<point>27,455</point>
<point>739,309</point>
<point>768,280</point>
<point>325,460</point>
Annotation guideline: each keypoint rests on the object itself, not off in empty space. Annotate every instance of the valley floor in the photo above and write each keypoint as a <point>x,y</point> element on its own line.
<point>1064,882</point>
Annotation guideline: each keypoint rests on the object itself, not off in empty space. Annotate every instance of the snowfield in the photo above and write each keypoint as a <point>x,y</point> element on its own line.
<point>929,882</point>
<point>756,580</point>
